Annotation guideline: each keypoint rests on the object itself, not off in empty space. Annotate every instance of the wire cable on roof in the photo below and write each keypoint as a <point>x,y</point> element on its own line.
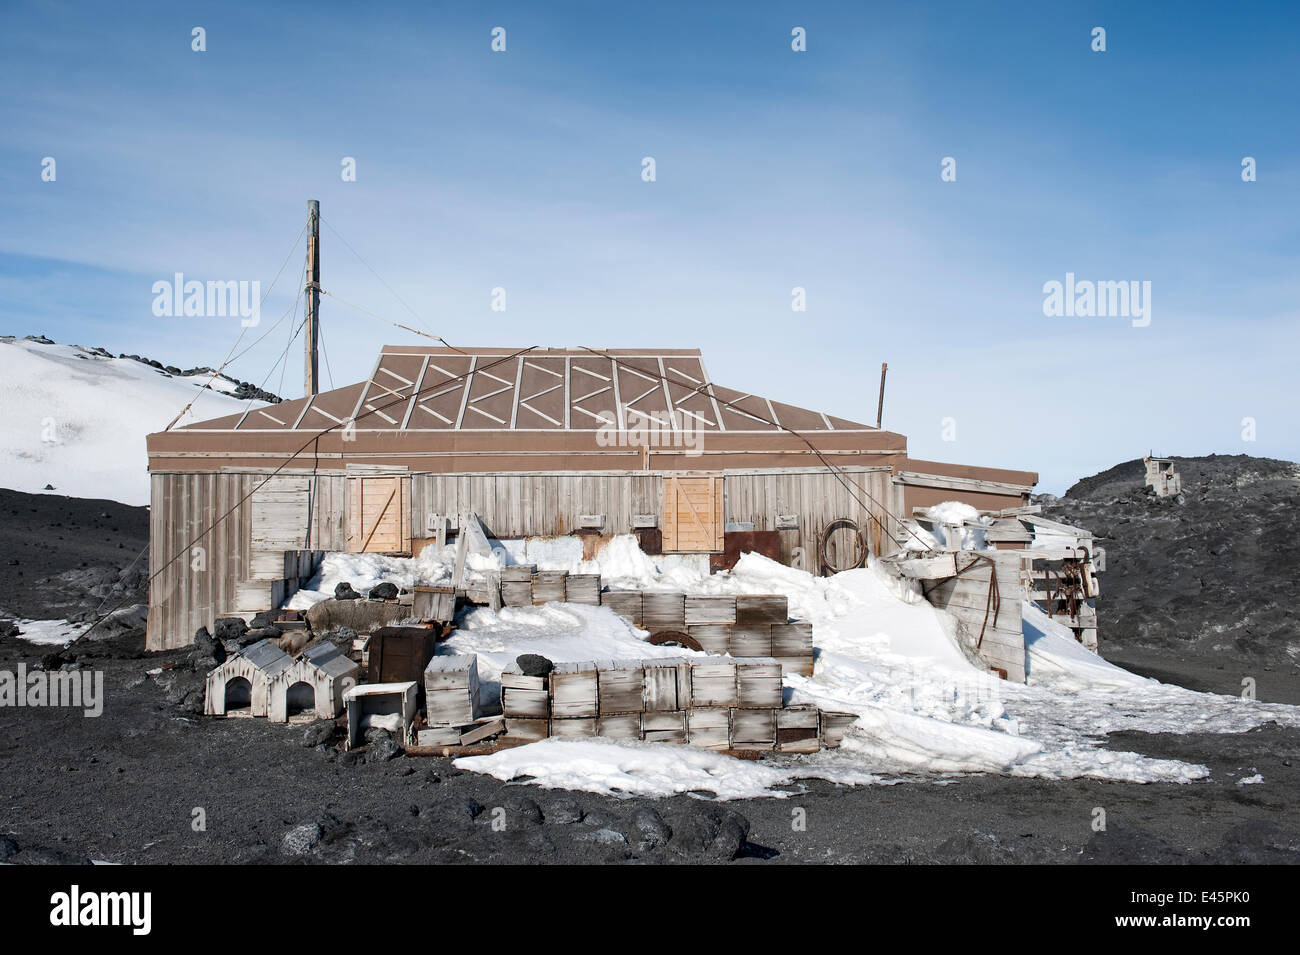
<point>413,312</point>
<point>389,321</point>
<point>242,332</point>
<point>705,388</point>
<point>184,550</point>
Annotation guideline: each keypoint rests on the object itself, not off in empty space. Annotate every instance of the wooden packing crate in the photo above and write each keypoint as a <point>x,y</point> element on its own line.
<point>833,727</point>
<point>452,672</point>
<point>710,610</point>
<point>517,585</point>
<point>450,707</point>
<point>792,645</point>
<point>663,612</point>
<point>517,593</point>
<point>623,726</point>
<point>574,691</point>
<point>524,697</point>
<point>451,690</point>
<point>485,592</point>
<point>713,683</point>
<point>709,727</point>
<point>434,603</point>
<point>625,603</point>
<point>751,640</point>
<point>400,654</point>
<point>713,638</point>
<point>548,585</point>
<point>753,729</point>
<point>667,685</point>
<point>798,729</point>
<point>758,683</point>
<point>761,608</point>
<point>582,589</point>
<point>794,639</point>
<point>803,666</point>
<point>664,727</point>
<point>438,736</point>
<point>525,729</point>
<point>620,687</point>
<point>573,728</point>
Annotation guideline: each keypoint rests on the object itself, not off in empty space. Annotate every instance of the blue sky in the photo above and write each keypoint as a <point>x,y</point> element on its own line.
<point>775,169</point>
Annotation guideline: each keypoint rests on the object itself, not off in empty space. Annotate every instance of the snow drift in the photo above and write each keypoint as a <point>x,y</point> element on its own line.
<point>925,710</point>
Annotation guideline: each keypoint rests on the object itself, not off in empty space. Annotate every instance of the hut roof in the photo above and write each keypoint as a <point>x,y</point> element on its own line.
<point>416,388</point>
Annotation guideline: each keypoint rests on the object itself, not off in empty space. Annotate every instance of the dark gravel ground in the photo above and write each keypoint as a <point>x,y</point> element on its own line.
<point>125,787</point>
<point>60,557</point>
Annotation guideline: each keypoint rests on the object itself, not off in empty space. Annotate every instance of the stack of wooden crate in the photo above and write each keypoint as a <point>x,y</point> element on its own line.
<point>451,690</point>
<point>720,704</point>
<point>745,625</point>
<point>709,621</point>
<point>451,704</point>
<point>525,704</point>
<point>517,585</point>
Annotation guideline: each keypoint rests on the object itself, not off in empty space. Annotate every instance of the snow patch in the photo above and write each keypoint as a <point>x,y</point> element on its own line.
<point>77,420</point>
<point>629,768</point>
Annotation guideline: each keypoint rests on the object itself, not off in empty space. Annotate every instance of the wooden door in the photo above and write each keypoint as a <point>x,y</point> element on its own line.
<point>379,511</point>
<point>692,514</point>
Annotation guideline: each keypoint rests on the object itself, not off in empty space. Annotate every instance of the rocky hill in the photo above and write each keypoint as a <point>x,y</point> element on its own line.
<point>1211,572</point>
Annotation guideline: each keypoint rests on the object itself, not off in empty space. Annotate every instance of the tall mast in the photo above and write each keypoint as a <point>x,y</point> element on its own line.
<point>312,372</point>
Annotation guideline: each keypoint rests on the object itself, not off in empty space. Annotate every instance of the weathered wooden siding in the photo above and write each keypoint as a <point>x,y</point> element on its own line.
<point>818,498</point>
<point>196,572</point>
<point>279,524</point>
<point>535,505</point>
<point>201,538</point>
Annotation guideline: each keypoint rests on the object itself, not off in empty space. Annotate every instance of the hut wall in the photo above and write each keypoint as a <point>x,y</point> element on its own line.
<point>208,567</point>
<point>535,505</point>
<point>818,498</point>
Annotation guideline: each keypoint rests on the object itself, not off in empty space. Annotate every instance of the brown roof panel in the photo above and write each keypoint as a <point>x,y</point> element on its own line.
<point>417,388</point>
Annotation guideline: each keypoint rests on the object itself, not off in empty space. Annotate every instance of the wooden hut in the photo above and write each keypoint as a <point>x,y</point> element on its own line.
<point>544,443</point>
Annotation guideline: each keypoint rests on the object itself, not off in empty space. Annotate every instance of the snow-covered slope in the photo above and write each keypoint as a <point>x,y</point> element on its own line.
<point>76,419</point>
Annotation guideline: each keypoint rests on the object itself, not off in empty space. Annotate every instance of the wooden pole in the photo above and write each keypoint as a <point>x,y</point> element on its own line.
<point>312,328</point>
<point>880,406</point>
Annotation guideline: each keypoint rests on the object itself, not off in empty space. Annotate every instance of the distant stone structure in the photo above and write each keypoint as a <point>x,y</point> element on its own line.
<point>1162,478</point>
